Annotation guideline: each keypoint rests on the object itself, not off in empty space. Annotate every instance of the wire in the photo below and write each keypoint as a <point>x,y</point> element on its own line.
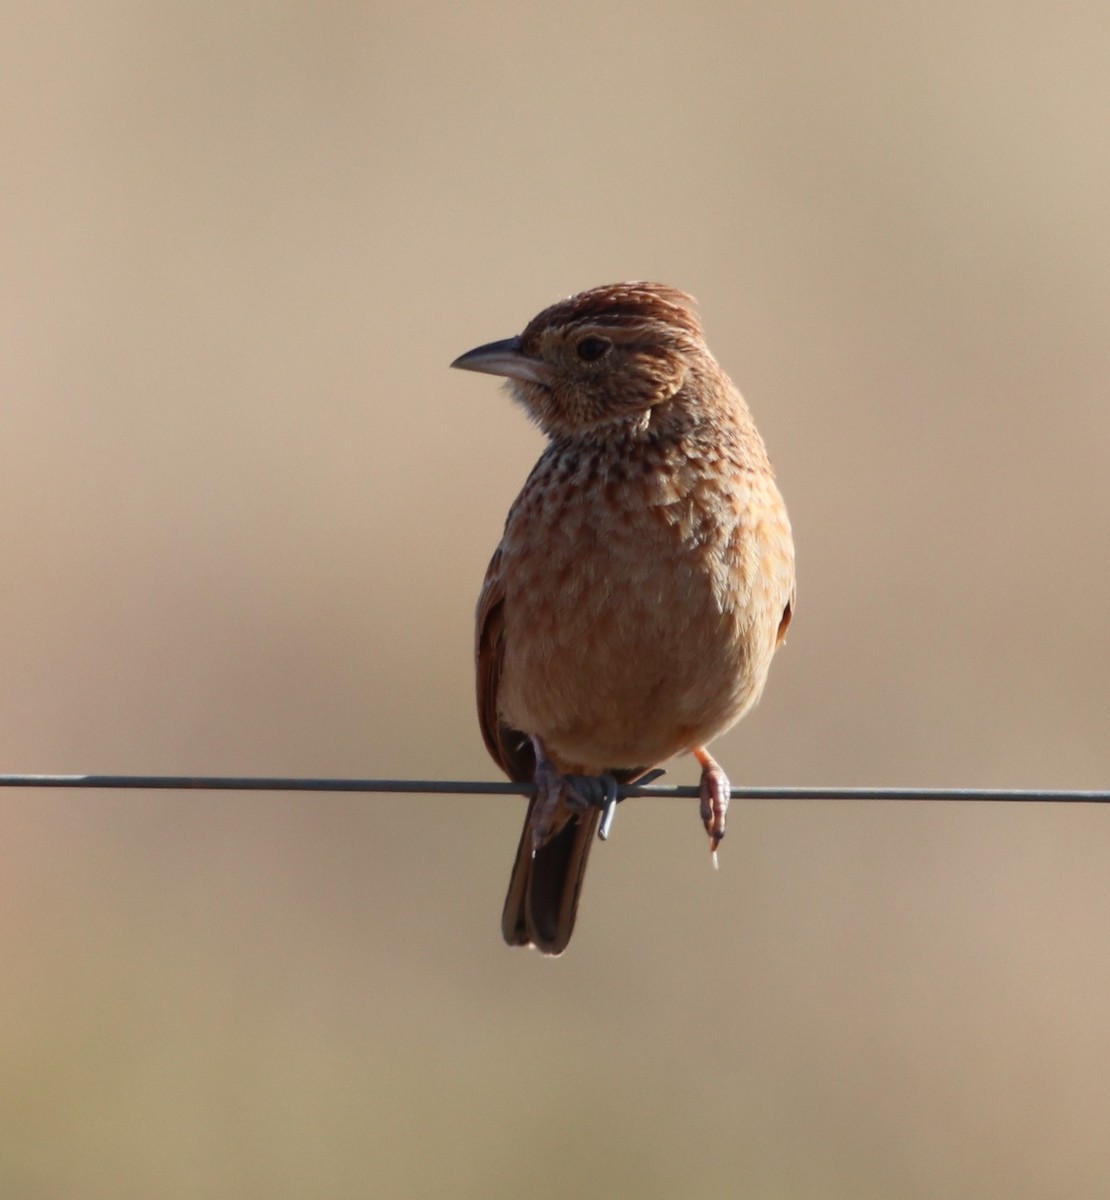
<point>455,787</point>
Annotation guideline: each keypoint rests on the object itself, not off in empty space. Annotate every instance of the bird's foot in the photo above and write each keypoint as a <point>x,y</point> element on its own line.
<point>715,791</point>
<point>579,792</point>
<point>584,792</point>
<point>595,791</point>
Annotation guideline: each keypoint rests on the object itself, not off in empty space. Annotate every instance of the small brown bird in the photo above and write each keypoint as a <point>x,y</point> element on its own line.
<point>643,581</point>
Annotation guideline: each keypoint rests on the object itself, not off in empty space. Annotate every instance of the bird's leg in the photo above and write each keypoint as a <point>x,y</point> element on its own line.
<point>715,791</point>
<point>580,792</point>
<point>549,788</point>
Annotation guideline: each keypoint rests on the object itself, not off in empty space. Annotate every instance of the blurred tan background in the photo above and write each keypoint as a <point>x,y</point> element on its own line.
<point>245,509</point>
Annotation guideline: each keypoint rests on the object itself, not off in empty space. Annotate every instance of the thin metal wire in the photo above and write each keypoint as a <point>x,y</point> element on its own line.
<point>455,787</point>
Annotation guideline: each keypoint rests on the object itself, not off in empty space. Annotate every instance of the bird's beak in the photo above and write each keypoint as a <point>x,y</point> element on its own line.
<point>505,358</point>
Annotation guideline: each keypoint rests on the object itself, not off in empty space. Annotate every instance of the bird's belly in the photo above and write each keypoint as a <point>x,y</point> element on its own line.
<point>624,655</point>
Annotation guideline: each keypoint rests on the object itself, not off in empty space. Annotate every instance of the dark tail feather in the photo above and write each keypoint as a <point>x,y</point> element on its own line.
<point>544,887</point>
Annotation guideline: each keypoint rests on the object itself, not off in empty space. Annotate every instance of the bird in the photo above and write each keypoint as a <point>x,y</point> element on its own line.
<point>643,581</point>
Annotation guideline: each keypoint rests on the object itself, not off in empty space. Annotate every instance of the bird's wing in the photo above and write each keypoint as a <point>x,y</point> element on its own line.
<point>509,748</point>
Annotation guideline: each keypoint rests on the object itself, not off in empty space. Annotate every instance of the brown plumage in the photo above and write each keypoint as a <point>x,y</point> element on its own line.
<point>643,581</point>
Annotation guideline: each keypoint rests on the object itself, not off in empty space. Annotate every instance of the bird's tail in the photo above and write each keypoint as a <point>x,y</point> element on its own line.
<point>546,883</point>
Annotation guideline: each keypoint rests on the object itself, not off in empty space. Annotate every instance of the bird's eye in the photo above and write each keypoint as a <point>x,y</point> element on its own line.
<point>590,349</point>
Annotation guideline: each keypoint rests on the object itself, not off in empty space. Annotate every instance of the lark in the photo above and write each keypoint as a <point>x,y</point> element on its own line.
<point>642,584</point>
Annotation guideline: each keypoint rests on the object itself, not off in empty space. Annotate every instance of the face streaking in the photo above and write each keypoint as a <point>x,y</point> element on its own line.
<point>602,356</point>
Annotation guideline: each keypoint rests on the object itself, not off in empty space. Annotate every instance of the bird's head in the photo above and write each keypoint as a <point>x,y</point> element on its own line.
<point>602,357</point>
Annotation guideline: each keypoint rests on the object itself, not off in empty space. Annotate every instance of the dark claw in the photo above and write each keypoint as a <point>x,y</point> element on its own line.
<point>585,791</point>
